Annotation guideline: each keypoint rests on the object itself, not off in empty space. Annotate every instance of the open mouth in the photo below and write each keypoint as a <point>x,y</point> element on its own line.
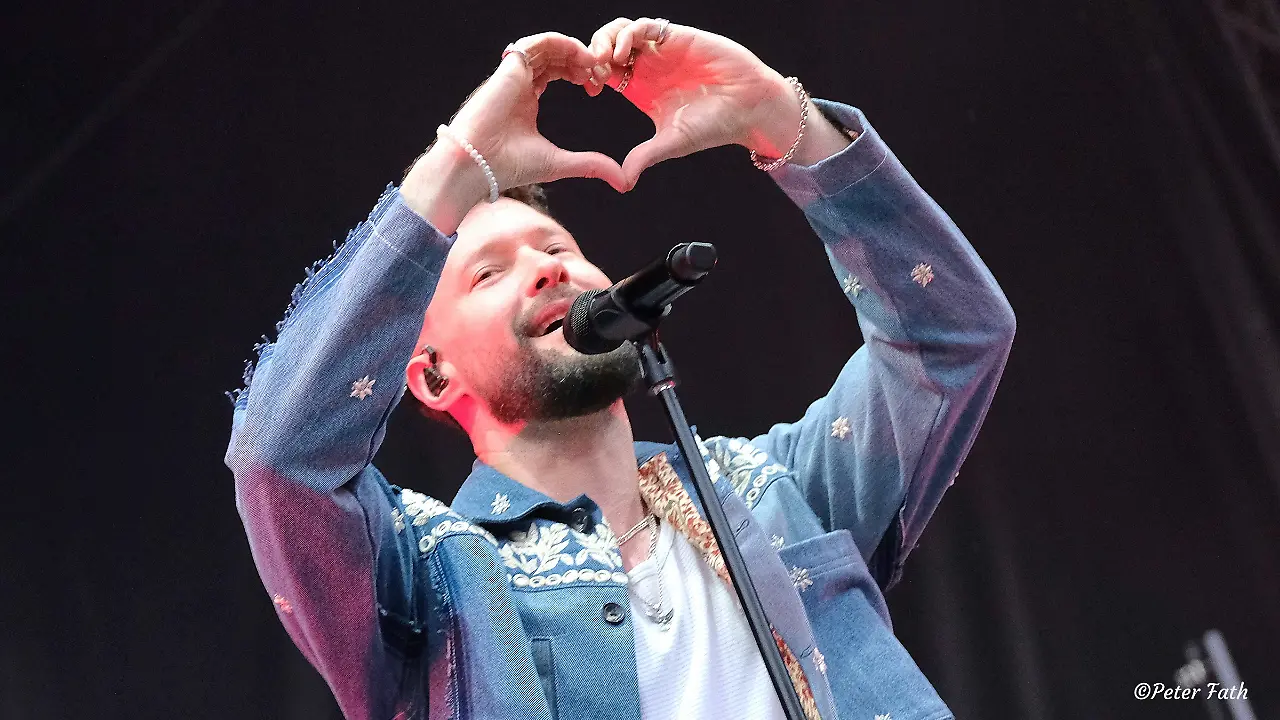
<point>554,326</point>
<point>549,318</point>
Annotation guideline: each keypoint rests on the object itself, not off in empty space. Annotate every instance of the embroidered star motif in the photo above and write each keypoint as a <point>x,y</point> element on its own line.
<point>285,606</point>
<point>922,274</point>
<point>852,286</point>
<point>362,388</point>
<point>800,578</point>
<point>501,504</point>
<point>840,428</point>
<point>777,541</point>
<point>819,661</point>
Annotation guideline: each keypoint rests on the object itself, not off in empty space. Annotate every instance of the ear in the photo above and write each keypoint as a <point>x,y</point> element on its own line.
<point>416,378</point>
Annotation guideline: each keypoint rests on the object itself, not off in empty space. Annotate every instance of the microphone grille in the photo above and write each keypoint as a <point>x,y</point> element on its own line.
<point>578,331</point>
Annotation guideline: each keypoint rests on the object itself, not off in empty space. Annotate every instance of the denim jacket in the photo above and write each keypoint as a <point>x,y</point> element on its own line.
<point>508,604</point>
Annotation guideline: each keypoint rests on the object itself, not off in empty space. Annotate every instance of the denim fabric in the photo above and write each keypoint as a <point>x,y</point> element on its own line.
<point>508,604</point>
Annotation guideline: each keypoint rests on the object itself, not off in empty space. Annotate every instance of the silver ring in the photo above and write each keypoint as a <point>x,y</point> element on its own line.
<point>662,31</point>
<point>511,48</point>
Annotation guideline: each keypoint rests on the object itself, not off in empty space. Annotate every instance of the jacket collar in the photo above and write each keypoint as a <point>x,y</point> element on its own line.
<point>491,498</point>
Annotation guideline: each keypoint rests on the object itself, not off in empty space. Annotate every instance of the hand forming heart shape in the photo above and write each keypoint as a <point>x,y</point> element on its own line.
<point>701,90</point>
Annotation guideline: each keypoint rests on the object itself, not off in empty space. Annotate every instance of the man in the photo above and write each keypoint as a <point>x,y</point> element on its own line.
<point>527,599</point>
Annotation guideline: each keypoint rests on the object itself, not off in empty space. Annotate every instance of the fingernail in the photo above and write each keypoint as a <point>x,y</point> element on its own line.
<point>600,71</point>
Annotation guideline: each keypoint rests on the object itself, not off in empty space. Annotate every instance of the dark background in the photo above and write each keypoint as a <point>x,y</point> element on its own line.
<point>167,169</point>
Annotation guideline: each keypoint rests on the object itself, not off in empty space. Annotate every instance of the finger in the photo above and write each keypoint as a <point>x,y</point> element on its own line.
<point>575,75</point>
<point>552,49</point>
<point>602,46</point>
<point>664,145</point>
<point>568,164</point>
<point>603,38</point>
<point>637,35</point>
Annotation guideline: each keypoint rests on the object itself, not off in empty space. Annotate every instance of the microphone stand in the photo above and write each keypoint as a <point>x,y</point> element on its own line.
<point>659,373</point>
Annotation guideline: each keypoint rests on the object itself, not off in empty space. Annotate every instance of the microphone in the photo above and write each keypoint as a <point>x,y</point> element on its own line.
<point>601,320</point>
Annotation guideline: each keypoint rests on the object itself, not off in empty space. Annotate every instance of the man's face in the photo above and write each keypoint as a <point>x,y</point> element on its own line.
<point>496,319</point>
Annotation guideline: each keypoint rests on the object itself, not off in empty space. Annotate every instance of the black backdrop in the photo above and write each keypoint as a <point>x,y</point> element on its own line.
<point>168,169</point>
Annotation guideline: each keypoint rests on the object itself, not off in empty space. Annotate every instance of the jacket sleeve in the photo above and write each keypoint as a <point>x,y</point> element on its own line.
<point>323,524</point>
<point>876,453</point>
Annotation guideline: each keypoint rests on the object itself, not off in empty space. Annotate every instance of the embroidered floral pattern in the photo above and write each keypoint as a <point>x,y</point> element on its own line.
<point>852,286</point>
<point>285,606</point>
<point>397,520</point>
<point>501,504</point>
<point>800,578</point>
<point>601,546</point>
<point>840,428</point>
<point>666,497</point>
<point>536,552</point>
<point>922,274</point>
<point>777,541</point>
<point>798,680</point>
<point>428,540</point>
<point>362,388</point>
<point>423,509</point>
<point>747,467</point>
<point>819,661</point>
<point>883,717</point>
<point>569,576</point>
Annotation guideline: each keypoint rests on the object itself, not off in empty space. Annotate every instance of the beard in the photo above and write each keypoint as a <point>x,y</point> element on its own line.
<point>546,385</point>
<point>543,384</point>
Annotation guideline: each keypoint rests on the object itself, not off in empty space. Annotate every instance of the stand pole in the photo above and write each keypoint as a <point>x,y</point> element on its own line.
<point>659,372</point>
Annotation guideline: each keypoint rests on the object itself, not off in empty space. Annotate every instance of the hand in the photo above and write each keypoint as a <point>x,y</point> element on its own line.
<point>500,118</point>
<point>700,89</point>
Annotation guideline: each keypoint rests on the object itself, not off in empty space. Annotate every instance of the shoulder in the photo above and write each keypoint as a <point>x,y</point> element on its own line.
<point>430,520</point>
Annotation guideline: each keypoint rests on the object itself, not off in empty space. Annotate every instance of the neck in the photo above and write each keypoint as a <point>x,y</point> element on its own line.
<point>563,459</point>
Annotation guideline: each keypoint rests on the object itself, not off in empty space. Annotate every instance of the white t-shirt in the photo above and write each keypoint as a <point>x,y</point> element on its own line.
<point>705,664</point>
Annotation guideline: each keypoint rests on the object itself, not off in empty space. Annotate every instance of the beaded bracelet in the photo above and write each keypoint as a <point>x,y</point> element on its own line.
<point>445,132</point>
<point>804,116</point>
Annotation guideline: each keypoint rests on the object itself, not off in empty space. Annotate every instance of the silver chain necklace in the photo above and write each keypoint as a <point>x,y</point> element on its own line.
<point>652,611</point>
<point>644,521</point>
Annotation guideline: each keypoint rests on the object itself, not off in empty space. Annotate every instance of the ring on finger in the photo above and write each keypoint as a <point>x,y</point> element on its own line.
<point>630,68</point>
<point>524,56</point>
<point>662,31</point>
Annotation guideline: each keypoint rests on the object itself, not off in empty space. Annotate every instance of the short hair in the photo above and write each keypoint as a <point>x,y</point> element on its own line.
<point>535,196</point>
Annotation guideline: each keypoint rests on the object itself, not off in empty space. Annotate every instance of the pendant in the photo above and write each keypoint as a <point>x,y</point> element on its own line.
<point>663,620</point>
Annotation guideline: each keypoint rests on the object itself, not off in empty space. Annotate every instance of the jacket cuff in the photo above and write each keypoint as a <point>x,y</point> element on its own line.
<point>410,234</point>
<point>806,184</point>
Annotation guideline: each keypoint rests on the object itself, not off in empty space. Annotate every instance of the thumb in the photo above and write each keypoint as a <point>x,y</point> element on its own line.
<point>565,164</point>
<point>666,144</point>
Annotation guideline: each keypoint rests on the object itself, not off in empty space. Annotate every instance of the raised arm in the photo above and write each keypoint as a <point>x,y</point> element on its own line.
<point>320,518</point>
<point>875,454</point>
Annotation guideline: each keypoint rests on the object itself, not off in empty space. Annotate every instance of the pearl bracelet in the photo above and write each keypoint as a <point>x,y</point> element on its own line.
<point>445,132</point>
<point>804,116</point>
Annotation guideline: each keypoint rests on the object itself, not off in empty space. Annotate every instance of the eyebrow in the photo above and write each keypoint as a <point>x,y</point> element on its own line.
<point>541,232</point>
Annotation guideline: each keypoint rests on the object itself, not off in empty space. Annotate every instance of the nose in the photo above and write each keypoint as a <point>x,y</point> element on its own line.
<point>548,272</point>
